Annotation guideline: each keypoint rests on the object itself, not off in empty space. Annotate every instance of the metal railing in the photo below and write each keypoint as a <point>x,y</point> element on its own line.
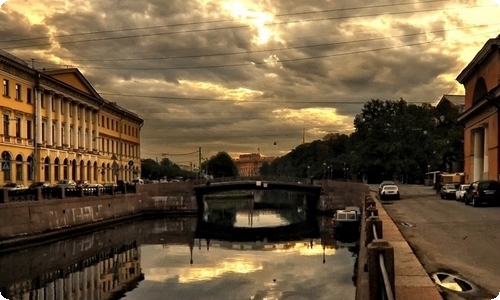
<point>384,280</point>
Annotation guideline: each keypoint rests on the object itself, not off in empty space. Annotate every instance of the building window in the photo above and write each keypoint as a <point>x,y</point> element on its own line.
<point>6,125</point>
<point>29,129</point>
<point>102,120</point>
<point>18,127</point>
<point>18,91</point>
<point>29,95</point>
<point>107,123</point>
<point>19,168</point>
<point>6,87</point>
<point>112,124</point>
<point>43,132</point>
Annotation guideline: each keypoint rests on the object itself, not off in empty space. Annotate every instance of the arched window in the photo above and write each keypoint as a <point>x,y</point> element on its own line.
<point>82,170</point>
<point>73,173</point>
<point>66,169</point>
<point>19,167</point>
<point>29,166</point>
<point>108,173</point>
<point>89,171</point>
<point>57,169</point>
<point>96,172</point>
<point>46,169</point>
<point>103,172</point>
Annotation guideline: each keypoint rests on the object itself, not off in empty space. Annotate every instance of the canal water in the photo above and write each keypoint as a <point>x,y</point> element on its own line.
<point>235,253</point>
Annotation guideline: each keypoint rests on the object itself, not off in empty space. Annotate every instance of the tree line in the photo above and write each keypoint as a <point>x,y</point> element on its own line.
<point>392,139</point>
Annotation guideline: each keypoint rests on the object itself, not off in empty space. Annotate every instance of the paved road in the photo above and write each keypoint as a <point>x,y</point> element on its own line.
<point>452,237</point>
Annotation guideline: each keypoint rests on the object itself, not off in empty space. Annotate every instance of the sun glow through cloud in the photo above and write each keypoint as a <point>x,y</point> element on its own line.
<point>254,18</point>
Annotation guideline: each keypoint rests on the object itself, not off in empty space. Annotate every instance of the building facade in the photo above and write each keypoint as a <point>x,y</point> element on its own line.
<point>55,126</point>
<point>249,164</point>
<point>481,79</point>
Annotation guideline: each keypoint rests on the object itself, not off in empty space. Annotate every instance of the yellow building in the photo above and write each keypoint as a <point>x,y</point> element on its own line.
<point>56,126</point>
<point>249,164</point>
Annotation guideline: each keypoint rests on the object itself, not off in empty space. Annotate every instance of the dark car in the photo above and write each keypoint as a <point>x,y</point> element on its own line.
<point>483,191</point>
<point>40,184</point>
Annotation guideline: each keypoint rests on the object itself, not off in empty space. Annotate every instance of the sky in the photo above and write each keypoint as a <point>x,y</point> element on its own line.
<point>251,76</point>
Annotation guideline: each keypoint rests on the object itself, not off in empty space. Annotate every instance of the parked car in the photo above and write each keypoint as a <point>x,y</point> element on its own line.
<point>459,194</point>
<point>41,184</point>
<point>82,183</point>
<point>389,191</point>
<point>66,183</point>
<point>137,181</point>
<point>448,191</point>
<point>483,191</point>
<point>94,185</point>
<point>14,186</point>
<point>384,183</point>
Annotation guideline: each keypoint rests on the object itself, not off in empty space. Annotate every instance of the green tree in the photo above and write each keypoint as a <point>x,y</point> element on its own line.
<point>393,140</point>
<point>221,165</point>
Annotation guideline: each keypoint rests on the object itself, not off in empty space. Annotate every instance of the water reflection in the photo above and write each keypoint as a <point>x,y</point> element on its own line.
<point>179,258</point>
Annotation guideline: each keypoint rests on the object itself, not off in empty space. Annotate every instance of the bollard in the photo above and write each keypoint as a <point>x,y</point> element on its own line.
<point>38,194</point>
<point>5,195</point>
<point>369,229</point>
<point>370,202</point>
<point>371,211</point>
<point>375,278</point>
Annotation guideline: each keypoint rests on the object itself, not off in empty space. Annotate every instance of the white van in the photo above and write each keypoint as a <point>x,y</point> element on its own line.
<point>137,181</point>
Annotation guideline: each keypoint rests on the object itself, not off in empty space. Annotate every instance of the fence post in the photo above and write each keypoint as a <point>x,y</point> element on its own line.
<point>371,211</point>
<point>376,284</point>
<point>369,229</point>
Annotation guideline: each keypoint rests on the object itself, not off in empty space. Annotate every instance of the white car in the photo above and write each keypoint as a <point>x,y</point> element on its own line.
<point>389,191</point>
<point>459,194</point>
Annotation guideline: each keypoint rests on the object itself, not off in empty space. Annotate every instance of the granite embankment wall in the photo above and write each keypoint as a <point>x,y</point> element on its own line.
<point>44,220</point>
<point>28,221</point>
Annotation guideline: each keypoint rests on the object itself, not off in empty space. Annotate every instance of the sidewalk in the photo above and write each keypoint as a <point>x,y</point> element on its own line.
<point>412,281</point>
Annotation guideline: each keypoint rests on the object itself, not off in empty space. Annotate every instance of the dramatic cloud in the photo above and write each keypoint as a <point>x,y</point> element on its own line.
<point>238,76</point>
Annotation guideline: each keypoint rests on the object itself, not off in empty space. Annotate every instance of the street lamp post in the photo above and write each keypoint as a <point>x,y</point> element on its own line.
<point>324,170</point>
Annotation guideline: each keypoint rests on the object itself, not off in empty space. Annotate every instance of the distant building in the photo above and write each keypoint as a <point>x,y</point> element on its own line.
<point>249,164</point>
<point>455,101</point>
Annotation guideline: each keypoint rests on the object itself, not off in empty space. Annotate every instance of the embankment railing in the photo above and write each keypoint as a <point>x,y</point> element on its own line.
<point>380,256</point>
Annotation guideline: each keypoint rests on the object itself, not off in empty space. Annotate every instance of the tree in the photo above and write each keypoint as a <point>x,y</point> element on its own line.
<point>393,140</point>
<point>221,165</point>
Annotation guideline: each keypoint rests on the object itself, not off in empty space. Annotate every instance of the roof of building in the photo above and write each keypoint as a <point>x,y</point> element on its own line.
<point>486,51</point>
<point>453,99</point>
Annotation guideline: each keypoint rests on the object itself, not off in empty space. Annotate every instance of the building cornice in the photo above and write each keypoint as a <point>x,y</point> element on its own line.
<point>475,64</point>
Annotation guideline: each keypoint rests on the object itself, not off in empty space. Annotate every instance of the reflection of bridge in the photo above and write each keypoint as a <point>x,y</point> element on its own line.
<point>312,192</point>
<point>292,232</point>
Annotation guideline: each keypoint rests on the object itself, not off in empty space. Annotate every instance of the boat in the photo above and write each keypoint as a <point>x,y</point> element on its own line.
<point>347,219</point>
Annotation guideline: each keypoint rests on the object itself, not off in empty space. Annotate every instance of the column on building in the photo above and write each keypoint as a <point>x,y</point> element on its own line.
<point>38,113</point>
<point>67,124</point>
<point>48,130</point>
<point>97,141</point>
<point>485,153</point>
<point>89,129</point>
<point>478,154</point>
<point>75,126</point>
<point>83,140</point>
<point>58,102</point>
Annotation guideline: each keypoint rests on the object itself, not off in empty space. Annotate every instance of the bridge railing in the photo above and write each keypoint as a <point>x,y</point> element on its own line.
<point>259,178</point>
<point>380,256</point>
